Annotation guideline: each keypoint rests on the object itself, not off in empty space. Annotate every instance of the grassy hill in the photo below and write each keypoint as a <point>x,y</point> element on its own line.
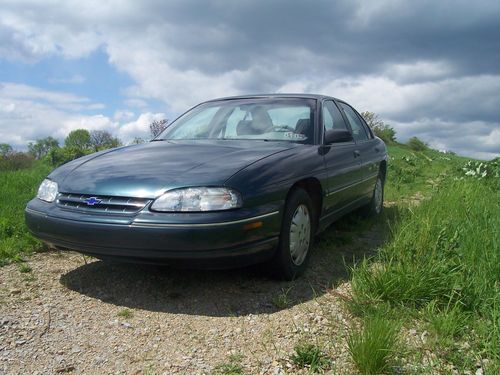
<point>428,301</point>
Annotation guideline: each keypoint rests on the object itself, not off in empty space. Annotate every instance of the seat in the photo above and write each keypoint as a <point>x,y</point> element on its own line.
<point>303,126</point>
<point>244,127</point>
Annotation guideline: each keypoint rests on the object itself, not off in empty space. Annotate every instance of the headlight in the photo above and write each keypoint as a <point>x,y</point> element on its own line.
<point>197,199</point>
<point>47,191</point>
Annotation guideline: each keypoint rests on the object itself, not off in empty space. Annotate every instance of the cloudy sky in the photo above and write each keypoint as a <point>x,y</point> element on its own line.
<point>429,68</point>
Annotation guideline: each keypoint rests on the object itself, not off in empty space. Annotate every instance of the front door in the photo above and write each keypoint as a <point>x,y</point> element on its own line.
<point>366,149</point>
<point>341,161</point>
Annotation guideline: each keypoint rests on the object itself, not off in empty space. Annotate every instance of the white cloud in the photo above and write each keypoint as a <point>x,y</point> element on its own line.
<point>390,57</point>
<point>139,127</point>
<point>24,117</point>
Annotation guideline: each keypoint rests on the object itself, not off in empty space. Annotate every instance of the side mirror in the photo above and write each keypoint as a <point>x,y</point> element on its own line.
<point>337,136</point>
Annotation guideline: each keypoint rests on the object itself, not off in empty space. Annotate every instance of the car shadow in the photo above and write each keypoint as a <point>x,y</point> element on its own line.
<point>235,292</point>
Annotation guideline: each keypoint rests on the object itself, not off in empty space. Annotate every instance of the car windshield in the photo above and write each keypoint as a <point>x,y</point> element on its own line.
<point>279,119</point>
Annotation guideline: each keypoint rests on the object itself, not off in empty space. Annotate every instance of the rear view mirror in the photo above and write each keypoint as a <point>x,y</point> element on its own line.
<point>337,136</point>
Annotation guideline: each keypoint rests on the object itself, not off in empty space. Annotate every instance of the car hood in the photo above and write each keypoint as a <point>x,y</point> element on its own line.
<point>149,169</point>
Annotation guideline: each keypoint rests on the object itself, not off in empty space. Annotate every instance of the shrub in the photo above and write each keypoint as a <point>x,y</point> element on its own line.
<point>416,144</point>
<point>385,132</point>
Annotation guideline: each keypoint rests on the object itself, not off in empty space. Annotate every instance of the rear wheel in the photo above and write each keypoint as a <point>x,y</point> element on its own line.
<point>297,231</point>
<point>376,204</point>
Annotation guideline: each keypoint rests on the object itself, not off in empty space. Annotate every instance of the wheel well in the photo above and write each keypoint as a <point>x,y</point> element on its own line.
<point>313,188</point>
<point>383,169</point>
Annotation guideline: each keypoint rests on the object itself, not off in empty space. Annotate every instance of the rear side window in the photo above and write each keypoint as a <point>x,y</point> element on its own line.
<point>332,118</point>
<point>359,132</point>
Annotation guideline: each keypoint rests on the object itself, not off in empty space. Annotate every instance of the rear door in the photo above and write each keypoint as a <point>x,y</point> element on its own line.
<point>341,161</point>
<point>366,148</point>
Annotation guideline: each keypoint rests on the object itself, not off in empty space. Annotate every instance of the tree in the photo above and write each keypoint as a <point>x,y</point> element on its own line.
<point>380,128</point>
<point>157,126</point>
<point>42,147</point>
<point>5,149</point>
<point>79,140</point>
<point>102,139</point>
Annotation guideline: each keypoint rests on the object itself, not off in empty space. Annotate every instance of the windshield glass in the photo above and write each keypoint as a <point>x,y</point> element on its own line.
<point>283,119</point>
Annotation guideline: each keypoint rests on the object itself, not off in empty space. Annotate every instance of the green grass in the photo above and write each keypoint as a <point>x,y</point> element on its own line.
<point>24,268</point>
<point>411,172</point>
<point>310,356</point>
<point>125,313</point>
<point>16,189</point>
<point>282,300</point>
<point>231,367</point>
<point>443,260</point>
<point>372,347</point>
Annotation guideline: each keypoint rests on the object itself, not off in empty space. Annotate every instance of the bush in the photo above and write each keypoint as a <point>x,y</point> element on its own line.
<point>381,129</point>
<point>385,132</point>
<point>417,145</point>
<point>16,161</point>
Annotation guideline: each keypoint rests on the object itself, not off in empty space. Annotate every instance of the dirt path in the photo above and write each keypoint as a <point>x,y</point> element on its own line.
<point>66,316</point>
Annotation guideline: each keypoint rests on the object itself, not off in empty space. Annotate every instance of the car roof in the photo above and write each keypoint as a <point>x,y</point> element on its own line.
<point>264,96</point>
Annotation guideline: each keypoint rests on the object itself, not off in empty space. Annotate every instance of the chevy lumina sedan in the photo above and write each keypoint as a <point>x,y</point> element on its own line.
<point>231,182</point>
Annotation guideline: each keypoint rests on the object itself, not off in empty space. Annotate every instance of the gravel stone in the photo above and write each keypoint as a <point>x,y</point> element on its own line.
<point>65,318</point>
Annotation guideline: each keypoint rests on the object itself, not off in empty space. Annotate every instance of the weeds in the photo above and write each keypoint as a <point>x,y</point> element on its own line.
<point>24,268</point>
<point>447,323</point>
<point>231,367</point>
<point>282,301</point>
<point>125,313</point>
<point>372,347</point>
<point>310,356</point>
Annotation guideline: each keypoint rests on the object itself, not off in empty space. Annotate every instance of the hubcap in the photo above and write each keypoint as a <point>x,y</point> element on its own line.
<point>377,196</point>
<point>300,234</point>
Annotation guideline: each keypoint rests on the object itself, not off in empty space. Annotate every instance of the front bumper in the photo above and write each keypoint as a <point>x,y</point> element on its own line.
<point>207,240</point>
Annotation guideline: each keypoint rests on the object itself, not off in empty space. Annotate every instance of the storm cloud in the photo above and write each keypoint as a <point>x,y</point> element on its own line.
<point>431,69</point>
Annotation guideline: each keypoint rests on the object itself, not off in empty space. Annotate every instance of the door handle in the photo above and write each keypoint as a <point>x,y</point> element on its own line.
<point>377,149</point>
<point>356,153</point>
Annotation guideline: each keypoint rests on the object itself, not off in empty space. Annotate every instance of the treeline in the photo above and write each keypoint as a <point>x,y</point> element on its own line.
<point>78,143</point>
<point>82,142</point>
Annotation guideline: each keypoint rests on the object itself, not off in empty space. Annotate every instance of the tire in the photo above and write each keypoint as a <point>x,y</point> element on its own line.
<point>376,205</point>
<point>297,232</point>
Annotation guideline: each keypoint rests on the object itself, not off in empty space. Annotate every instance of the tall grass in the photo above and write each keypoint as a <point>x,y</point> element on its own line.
<point>16,189</point>
<point>372,347</point>
<point>444,255</point>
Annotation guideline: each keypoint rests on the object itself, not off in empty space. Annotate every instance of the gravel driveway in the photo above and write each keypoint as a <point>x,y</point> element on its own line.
<point>83,316</point>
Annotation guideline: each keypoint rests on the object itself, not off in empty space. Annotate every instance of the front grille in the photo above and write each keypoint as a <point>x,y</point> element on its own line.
<point>101,203</point>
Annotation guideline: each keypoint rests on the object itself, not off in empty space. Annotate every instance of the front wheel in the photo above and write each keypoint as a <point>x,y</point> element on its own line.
<point>297,231</point>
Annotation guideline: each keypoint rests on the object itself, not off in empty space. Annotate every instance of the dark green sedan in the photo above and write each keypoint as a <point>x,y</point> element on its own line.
<point>231,182</point>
